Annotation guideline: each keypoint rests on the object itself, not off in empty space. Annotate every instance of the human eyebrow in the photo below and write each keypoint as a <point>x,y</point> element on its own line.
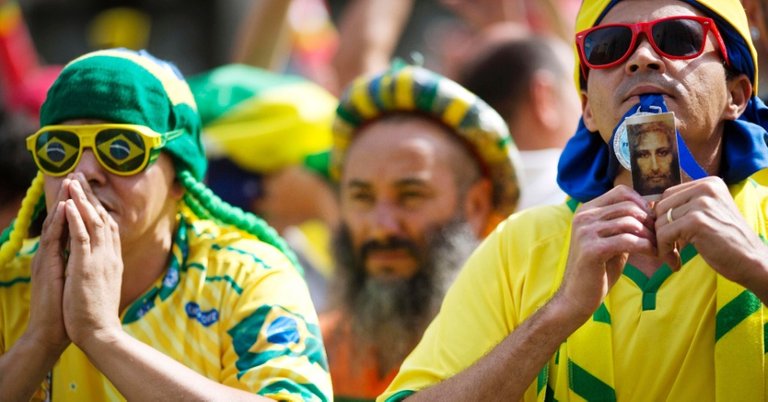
<point>411,181</point>
<point>357,184</point>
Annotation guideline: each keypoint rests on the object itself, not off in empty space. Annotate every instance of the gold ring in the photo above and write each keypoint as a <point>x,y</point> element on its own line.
<point>669,216</point>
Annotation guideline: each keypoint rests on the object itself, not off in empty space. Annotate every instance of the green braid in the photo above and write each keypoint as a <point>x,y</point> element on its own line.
<point>195,206</point>
<point>204,203</point>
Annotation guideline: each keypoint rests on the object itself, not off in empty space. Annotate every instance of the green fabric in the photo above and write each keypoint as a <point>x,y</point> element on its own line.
<point>123,86</point>
<point>319,163</point>
<point>588,386</point>
<point>219,90</point>
<point>736,311</point>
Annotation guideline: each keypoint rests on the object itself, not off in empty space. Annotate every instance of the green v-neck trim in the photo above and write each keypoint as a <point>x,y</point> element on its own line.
<point>650,286</point>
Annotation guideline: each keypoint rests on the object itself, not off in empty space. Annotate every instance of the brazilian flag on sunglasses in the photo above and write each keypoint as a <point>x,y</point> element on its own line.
<point>121,149</point>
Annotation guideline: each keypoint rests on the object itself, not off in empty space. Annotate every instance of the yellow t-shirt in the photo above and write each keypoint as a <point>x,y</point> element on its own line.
<point>230,307</point>
<point>663,327</point>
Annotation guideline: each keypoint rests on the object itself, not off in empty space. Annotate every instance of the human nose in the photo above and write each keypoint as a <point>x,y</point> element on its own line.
<point>90,167</point>
<point>654,163</point>
<point>644,57</point>
<point>385,221</point>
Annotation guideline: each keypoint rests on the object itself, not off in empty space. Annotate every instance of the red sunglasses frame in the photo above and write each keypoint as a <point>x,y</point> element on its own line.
<point>646,27</point>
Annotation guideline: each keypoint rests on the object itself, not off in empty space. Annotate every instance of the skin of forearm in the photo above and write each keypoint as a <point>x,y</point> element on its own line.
<point>140,372</point>
<point>23,368</point>
<point>509,369</point>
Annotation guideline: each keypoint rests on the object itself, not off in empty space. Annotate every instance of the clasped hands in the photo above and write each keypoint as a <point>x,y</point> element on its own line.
<point>77,270</point>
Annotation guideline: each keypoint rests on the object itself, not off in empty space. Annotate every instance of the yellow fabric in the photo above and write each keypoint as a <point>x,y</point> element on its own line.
<point>215,317</point>
<point>741,371</point>
<point>276,129</point>
<point>731,10</point>
<point>663,353</point>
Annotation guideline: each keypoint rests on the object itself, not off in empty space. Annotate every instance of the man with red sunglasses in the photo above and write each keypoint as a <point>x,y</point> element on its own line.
<point>609,296</point>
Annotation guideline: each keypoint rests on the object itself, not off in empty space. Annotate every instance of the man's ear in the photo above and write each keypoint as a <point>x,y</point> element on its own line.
<point>586,112</point>
<point>478,205</point>
<point>739,93</point>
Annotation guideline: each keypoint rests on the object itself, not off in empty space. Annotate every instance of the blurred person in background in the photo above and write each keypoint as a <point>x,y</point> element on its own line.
<point>267,138</point>
<point>329,43</point>
<point>425,170</point>
<point>757,13</point>
<point>527,80</point>
<point>479,20</point>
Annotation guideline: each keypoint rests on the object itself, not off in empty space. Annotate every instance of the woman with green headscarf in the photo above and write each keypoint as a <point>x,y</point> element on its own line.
<point>144,285</point>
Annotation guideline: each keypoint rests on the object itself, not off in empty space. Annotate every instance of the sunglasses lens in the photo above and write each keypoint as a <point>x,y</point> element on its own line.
<point>121,150</point>
<point>606,45</point>
<point>680,37</point>
<point>56,151</point>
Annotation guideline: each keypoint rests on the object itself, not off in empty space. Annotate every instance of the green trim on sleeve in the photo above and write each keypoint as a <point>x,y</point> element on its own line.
<point>399,396</point>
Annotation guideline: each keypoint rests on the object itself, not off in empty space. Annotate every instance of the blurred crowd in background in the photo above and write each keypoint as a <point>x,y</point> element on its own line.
<point>267,75</point>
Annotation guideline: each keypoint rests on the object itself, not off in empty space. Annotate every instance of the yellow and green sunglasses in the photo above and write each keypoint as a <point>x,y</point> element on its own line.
<point>122,149</point>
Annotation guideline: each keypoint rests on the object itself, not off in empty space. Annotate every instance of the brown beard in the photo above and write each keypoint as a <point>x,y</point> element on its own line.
<point>389,317</point>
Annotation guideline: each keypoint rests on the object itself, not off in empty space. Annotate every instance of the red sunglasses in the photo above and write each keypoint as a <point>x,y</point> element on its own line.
<point>679,37</point>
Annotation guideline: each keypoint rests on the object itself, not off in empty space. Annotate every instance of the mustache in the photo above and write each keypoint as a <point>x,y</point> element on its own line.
<point>389,244</point>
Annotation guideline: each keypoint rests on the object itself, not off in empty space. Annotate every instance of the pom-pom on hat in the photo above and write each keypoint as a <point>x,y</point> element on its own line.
<point>418,90</point>
<point>124,86</point>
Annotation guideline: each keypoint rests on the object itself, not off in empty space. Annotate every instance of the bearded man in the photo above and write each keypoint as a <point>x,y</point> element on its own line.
<point>425,170</point>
